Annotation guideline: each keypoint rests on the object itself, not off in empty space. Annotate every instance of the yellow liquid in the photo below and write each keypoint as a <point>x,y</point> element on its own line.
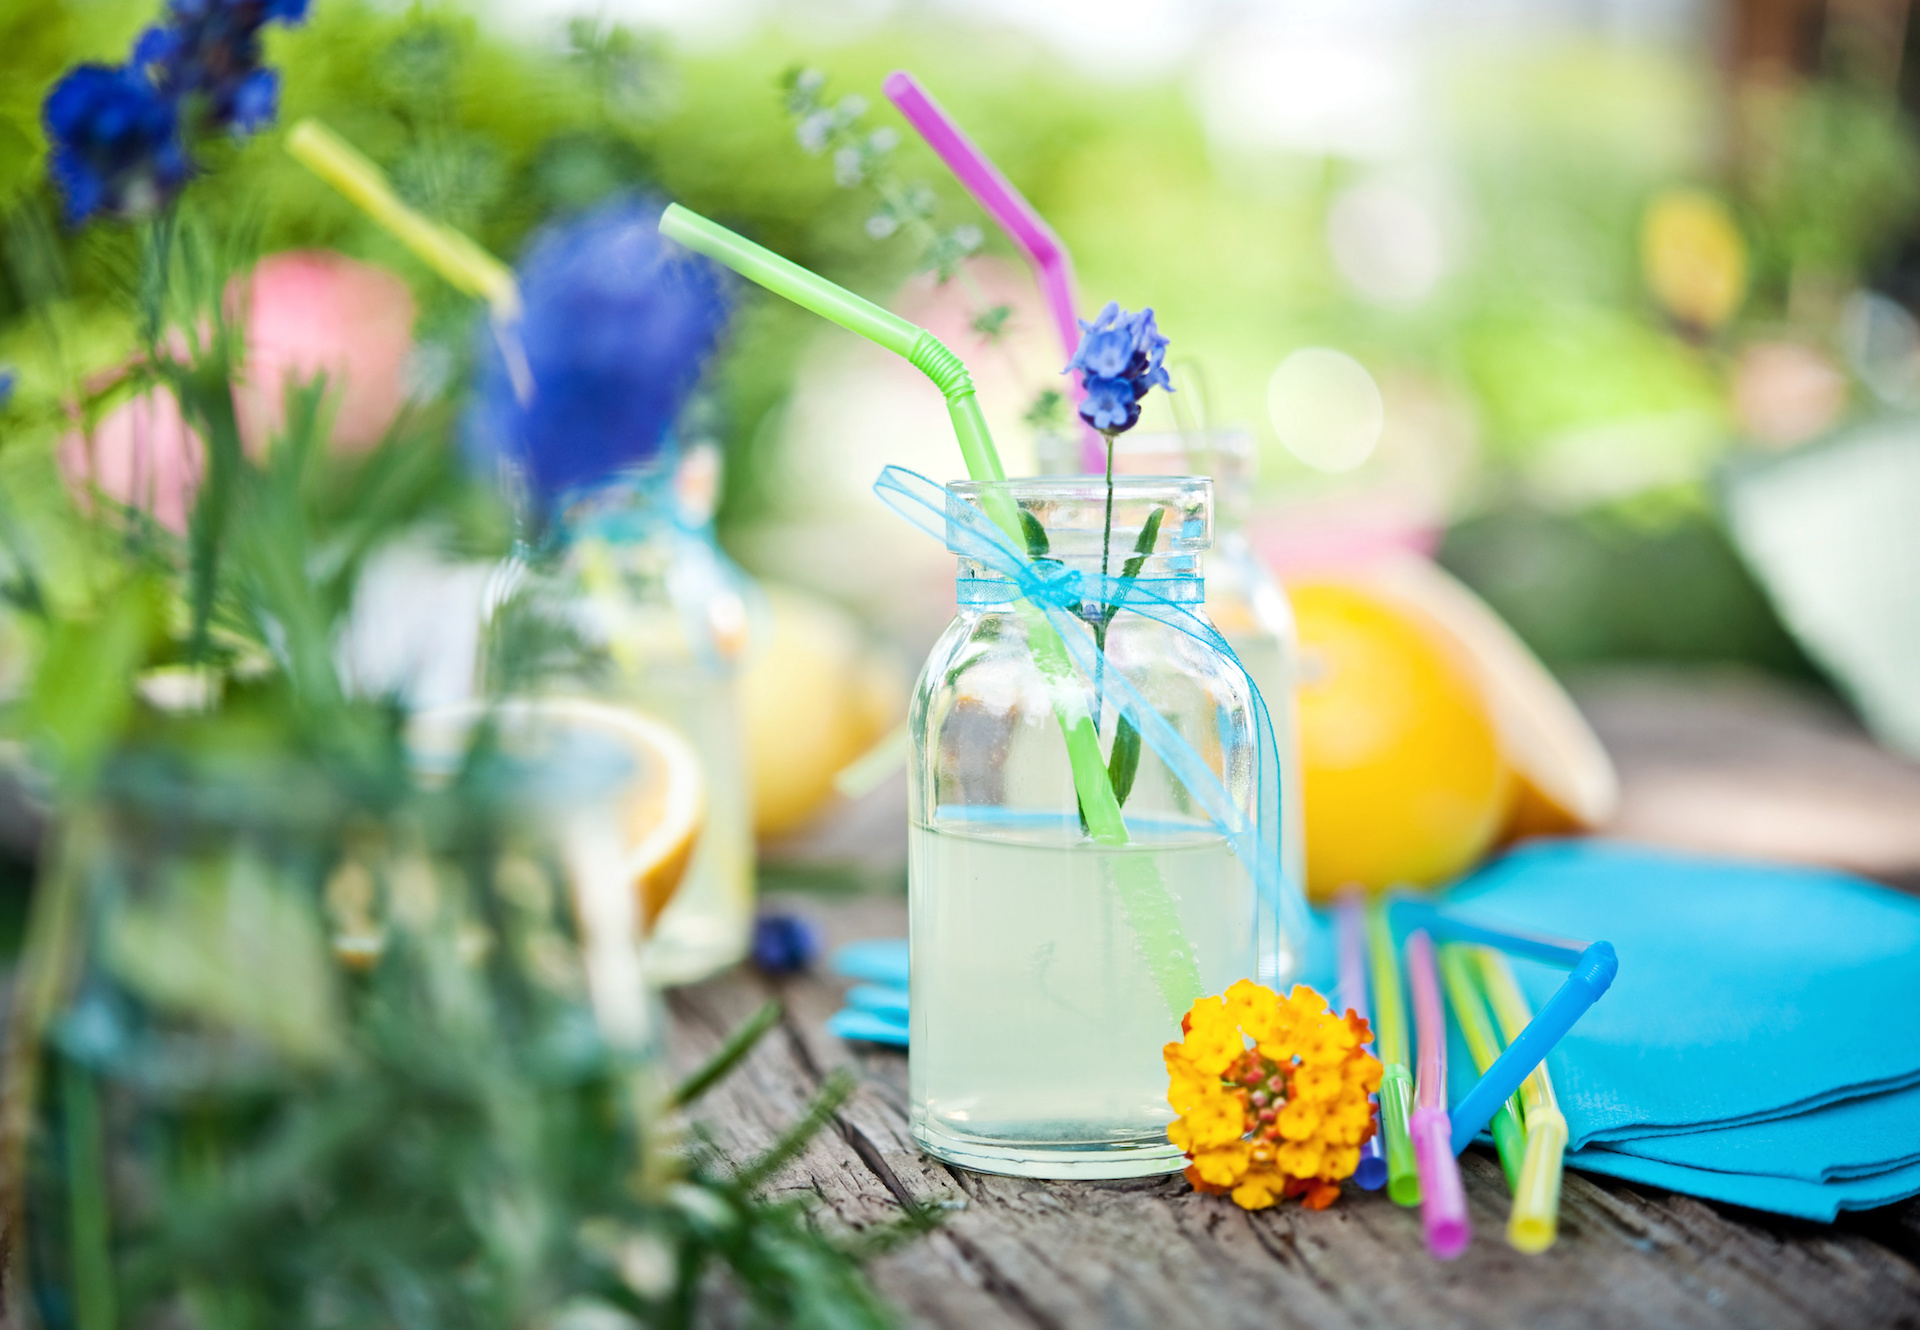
<point>1036,1022</point>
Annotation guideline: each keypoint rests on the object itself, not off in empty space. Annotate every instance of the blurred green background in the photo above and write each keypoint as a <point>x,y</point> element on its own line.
<point>1585,256</point>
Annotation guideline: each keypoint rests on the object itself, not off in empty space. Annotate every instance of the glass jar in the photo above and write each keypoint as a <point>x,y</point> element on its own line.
<point>663,618</point>
<point>1244,599</point>
<point>1048,965</point>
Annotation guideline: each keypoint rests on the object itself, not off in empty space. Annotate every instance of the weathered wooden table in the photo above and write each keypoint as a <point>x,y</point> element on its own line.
<point>1152,1253</point>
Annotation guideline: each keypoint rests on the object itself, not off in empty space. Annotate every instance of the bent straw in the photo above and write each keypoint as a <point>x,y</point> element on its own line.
<point>462,263</point>
<point>1052,265</point>
<point>1535,1221</point>
<point>456,258</point>
<point>1594,966</point>
<point>922,349</point>
<point>1146,899</point>
<point>1396,1083</point>
<point>1351,921</point>
<point>1484,1045</point>
<point>1443,1200</point>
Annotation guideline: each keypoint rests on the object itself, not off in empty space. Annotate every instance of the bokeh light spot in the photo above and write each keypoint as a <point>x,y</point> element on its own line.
<point>1326,408</point>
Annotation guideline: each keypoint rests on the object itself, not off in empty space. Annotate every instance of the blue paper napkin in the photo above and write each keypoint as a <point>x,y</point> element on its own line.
<point>1746,991</point>
<point>876,1010</point>
<point>1855,1139</point>
<point>1743,1053</point>
<point>1787,1196</point>
<point>1779,1165</point>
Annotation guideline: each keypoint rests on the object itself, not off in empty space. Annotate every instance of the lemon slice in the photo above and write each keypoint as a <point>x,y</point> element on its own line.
<point>1564,780</point>
<point>661,797</point>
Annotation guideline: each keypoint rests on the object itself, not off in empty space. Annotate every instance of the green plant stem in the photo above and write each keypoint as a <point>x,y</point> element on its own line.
<point>206,397</point>
<point>1106,611</point>
<point>93,1282</point>
<point>737,1045</point>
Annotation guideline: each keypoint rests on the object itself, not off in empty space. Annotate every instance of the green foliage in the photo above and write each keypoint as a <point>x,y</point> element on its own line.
<point>1619,583</point>
<point>241,1135</point>
<point>306,1039</point>
<point>1838,177</point>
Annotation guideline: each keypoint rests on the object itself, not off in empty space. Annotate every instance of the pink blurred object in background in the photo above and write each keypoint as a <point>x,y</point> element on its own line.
<point>313,312</point>
<point>308,312</point>
<point>141,454</point>
<point>1351,531</point>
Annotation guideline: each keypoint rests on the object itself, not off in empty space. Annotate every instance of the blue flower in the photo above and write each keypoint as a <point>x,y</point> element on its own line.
<point>784,943</point>
<point>120,135</point>
<point>616,328</point>
<point>1119,358</point>
<point>209,52</point>
<point>116,143</point>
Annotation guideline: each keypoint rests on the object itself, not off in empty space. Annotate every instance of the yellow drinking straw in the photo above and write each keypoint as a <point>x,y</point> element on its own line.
<point>1464,993</point>
<point>1535,1220</point>
<point>458,259</point>
<point>455,257</point>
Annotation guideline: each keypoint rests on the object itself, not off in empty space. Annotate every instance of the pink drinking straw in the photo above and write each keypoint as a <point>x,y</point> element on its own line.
<point>1052,266</point>
<point>1443,1200</point>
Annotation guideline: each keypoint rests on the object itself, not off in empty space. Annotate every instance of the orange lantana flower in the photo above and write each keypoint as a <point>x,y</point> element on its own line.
<point>1271,1095</point>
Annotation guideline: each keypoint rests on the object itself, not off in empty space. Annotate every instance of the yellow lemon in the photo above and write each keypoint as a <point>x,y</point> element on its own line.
<point>816,696</point>
<point>661,796</point>
<point>1563,779</point>
<point>1403,777</point>
<point>1695,259</point>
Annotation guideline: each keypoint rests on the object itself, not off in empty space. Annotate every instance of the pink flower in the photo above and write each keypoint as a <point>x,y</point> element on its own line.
<point>142,455</point>
<point>308,312</point>
<point>312,312</point>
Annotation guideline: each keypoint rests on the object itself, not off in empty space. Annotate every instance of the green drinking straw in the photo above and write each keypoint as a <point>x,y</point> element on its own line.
<point>922,349</point>
<point>1535,1221</point>
<point>1390,1040</point>
<point>1464,993</point>
<point>1149,906</point>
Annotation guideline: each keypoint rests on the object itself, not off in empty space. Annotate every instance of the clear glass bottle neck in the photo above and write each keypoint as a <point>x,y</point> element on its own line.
<point>1150,527</point>
<point>1227,456</point>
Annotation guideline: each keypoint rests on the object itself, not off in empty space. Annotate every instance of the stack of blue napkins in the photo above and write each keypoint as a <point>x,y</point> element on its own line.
<point>1760,1045</point>
<point>876,1009</point>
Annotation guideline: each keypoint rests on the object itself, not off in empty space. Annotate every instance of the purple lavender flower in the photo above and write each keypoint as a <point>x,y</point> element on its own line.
<point>1119,359</point>
<point>116,143</point>
<point>617,326</point>
<point>784,943</point>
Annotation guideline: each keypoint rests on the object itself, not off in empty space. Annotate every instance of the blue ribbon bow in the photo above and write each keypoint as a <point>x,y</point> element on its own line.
<point>1059,592</point>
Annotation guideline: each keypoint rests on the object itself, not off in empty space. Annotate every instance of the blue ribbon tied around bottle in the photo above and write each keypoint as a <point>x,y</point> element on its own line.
<point>1061,593</point>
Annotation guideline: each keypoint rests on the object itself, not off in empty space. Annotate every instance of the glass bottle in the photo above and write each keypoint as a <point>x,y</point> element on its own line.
<point>664,618</point>
<point>1048,968</point>
<point>1244,599</point>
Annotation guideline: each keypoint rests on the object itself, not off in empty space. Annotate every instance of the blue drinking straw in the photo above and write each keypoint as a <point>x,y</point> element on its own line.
<point>1594,966</point>
<point>1350,918</point>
